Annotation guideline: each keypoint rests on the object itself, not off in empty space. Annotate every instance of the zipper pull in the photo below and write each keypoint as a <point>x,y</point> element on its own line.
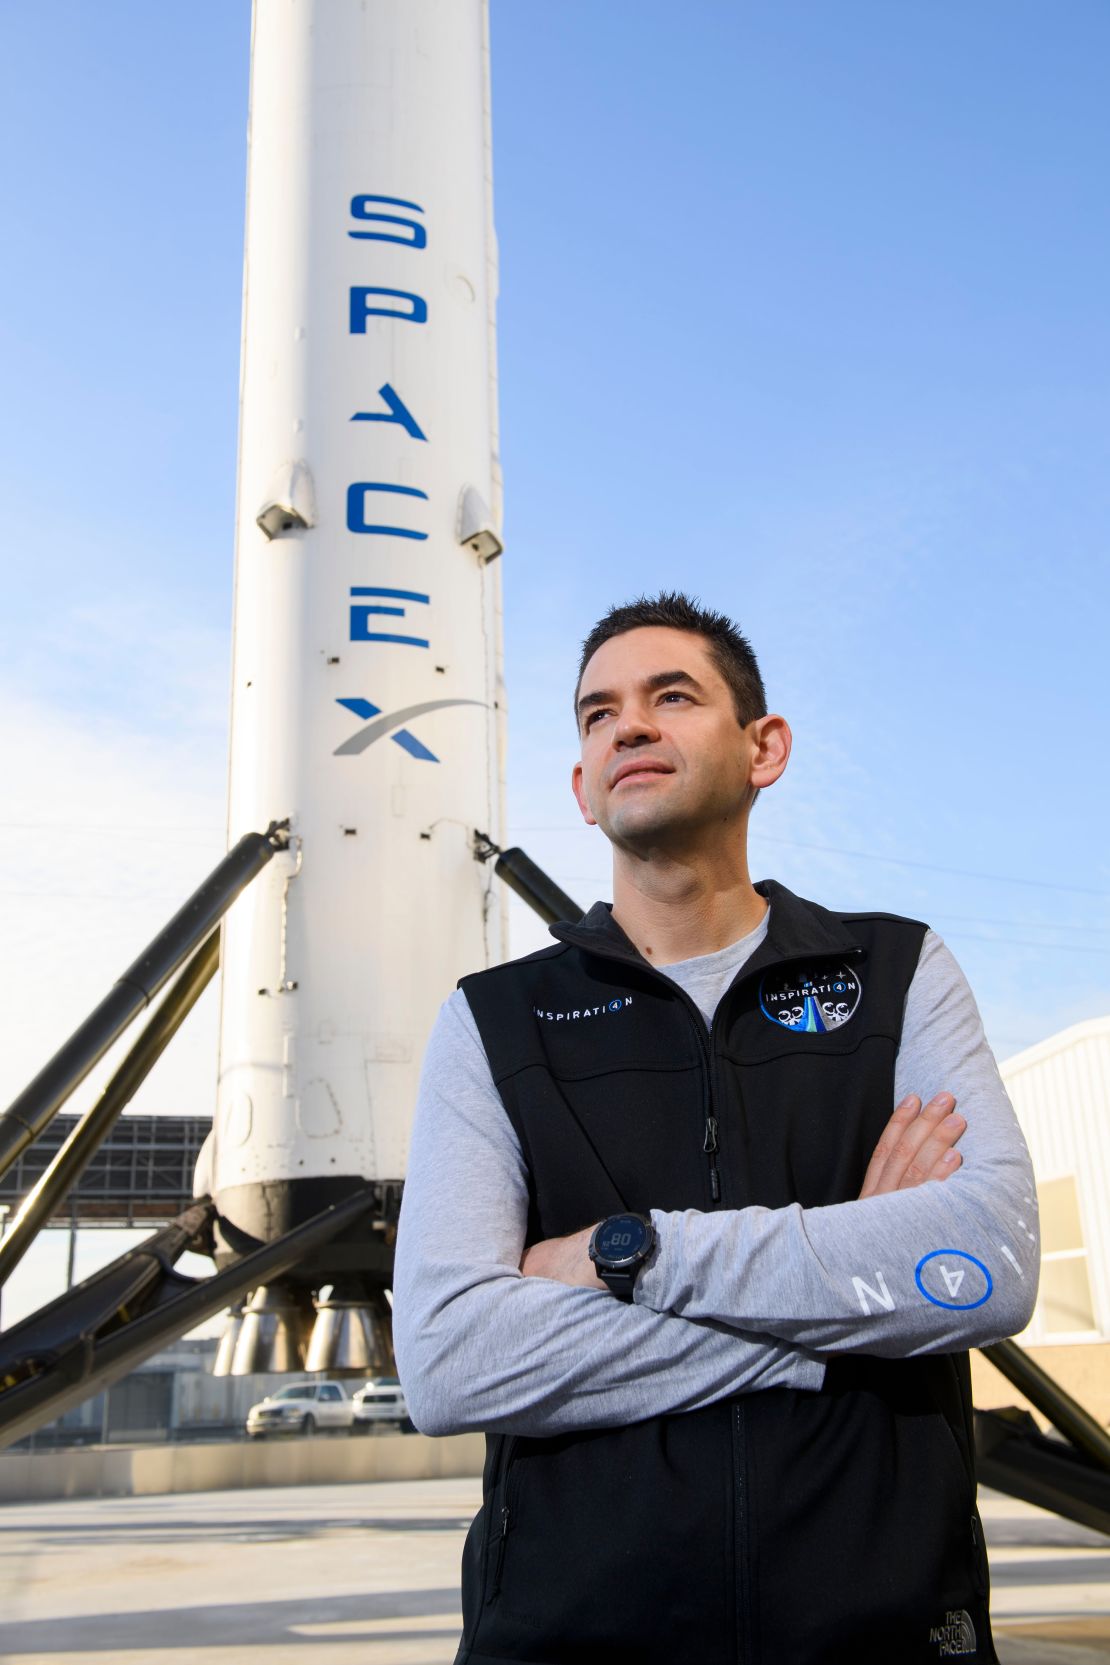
<point>711,1145</point>
<point>499,1563</point>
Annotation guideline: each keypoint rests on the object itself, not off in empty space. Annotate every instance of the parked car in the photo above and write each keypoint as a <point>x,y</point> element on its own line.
<point>382,1403</point>
<point>301,1408</point>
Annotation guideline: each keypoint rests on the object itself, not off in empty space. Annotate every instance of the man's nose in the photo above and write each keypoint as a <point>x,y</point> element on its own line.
<point>634,727</point>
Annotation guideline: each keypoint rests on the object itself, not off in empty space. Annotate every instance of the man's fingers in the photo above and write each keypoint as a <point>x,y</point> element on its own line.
<point>928,1161</point>
<point>914,1144</point>
<point>904,1114</point>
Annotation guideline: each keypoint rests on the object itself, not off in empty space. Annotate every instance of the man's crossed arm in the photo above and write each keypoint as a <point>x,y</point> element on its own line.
<point>920,1268</point>
<point>732,1302</point>
<point>917,1144</point>
<point>479,1346</point>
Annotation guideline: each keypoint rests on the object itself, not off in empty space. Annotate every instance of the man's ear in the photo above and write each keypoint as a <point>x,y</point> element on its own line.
<point>771,741</point>
<point>580,795</point>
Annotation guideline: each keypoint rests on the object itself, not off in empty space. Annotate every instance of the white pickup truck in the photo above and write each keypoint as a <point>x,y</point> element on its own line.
<point>301,1408</point>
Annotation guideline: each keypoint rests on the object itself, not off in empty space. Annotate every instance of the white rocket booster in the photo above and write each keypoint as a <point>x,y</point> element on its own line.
<point>367,705</point>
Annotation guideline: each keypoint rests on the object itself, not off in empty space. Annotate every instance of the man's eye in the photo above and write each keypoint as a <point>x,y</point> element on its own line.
<point>673,694</point>
<point>593,716</point>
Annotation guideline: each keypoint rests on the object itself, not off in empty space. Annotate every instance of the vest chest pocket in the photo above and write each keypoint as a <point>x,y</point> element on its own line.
<point>752,1037</point>
<point>804,1125</point>
<point>821,1008</point>
<point>627,1032</point>
<point>626,1139</point>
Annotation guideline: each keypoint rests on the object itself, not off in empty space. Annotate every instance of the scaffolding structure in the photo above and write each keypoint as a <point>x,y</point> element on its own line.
<point>141,1175</point>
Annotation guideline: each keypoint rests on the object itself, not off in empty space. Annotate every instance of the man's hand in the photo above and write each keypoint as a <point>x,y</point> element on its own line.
<point>566,1259</point>
<point>916,1145</point>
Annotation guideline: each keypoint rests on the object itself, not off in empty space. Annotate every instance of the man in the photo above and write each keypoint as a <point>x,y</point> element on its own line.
<point>663,1240</point>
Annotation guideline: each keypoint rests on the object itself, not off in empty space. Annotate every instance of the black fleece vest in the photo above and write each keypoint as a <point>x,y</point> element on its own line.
<point>780,1527</point>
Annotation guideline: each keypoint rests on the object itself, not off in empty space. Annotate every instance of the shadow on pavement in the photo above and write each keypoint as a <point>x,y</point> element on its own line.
<point>239,1624</point>
<point>248,1531</point>
<point>1072,1569</point>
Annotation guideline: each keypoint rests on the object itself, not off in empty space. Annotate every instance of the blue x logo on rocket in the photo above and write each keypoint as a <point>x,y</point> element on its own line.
<point>408,742</point>
<point>379,725</point>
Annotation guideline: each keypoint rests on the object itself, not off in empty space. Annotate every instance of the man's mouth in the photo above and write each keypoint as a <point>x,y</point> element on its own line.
<point>641,772</point>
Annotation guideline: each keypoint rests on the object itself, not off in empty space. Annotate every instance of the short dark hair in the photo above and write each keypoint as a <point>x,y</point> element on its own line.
<point>729,648</point>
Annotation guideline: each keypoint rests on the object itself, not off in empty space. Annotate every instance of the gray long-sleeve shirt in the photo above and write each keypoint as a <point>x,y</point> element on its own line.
<point>732,1301</point>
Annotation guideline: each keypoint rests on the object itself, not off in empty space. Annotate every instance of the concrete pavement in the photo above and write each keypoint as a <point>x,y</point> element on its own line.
<point>367,1573</point>
<point>1050,1585</point>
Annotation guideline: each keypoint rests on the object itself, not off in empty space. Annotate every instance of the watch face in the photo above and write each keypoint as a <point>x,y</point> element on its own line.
<point>621,1239</point>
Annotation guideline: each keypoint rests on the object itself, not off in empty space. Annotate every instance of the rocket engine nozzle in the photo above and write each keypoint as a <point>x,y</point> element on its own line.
<point>272,1333</point>
<point>352,1333</point>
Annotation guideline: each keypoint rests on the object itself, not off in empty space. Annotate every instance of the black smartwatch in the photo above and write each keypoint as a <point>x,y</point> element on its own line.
<point>618,1248</point>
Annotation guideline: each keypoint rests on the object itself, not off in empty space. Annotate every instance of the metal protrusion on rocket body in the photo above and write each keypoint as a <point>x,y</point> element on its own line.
<point>290,503</point>
<point>475,527</point>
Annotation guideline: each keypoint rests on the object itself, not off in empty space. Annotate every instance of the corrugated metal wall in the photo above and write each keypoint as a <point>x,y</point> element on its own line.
<point>1061,1093</point>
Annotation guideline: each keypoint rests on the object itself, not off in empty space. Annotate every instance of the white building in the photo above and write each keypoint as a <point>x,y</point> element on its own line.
<point>1060,1089</point>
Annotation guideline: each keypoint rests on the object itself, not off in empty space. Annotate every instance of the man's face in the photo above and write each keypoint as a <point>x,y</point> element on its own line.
<point>663,753</point>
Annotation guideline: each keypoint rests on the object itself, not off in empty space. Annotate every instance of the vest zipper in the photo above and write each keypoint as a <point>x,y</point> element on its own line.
<point>498,1565</point>
<point>711,1129</point>
<point>711,1136</point>
<point>504,1516</point>
<point>741,1568</point>
<point>711,1146</point>
<point>711,1132</point>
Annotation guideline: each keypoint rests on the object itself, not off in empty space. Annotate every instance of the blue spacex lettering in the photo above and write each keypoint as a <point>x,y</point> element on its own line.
<point>361,210</point>
<point>356,510</point>
<point>412,310</point>
<point>397,411</point>
<point>375,219</point>
<point>365,613</point>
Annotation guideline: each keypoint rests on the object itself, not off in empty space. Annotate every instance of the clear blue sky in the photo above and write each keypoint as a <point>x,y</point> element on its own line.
<point>803,307</point>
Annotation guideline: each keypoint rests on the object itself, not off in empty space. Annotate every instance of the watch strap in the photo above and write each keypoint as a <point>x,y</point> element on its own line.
<point>622,1284</point>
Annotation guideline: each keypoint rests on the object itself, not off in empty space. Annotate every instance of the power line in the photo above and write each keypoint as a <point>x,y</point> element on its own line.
<point>85,827</point>
<point>78,825</point>
<point>934,867</point>
<point>871,855</point>
<point>959,936</point>
<point>957,918</point>
<point>1017,942</point>
<point>96,895</point>
<point>1021,924</point>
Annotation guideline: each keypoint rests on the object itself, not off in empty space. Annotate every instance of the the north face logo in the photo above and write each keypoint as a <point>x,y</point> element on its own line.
<point>956,1636</point>
<point>617,1004</point>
